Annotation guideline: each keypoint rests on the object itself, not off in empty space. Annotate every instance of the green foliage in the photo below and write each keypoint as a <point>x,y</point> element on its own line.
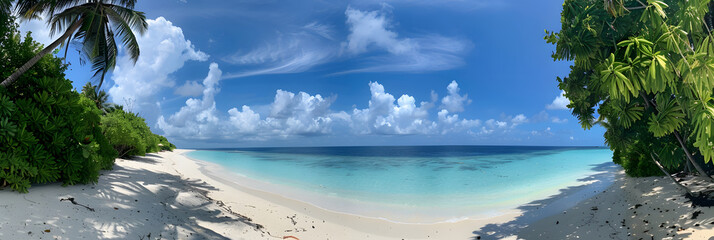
<point>130,136</point>
<point>669,118</point>
<point>99,97</point>
<point>105,153</point>
<point>164,144</point>
<point>647,69</point>
<point>637,164</point>
<point>47,130</point>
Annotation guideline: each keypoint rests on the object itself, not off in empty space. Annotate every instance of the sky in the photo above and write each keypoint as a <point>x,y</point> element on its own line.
<point>262,73</point>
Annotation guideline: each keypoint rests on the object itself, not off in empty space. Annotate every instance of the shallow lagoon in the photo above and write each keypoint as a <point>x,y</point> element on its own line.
<point>411,184</point>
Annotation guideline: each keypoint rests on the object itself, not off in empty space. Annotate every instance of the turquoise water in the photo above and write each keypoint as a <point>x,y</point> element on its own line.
<point>413,183</point>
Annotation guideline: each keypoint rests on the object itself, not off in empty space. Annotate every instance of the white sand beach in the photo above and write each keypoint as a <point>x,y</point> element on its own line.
<point>631,208</point>
<point>168,196</point>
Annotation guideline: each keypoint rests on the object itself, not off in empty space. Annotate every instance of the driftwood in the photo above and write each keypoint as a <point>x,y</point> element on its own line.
<point>71,199</point>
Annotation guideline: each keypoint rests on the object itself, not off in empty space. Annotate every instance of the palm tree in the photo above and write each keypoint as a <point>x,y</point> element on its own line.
<point>99,97</point>
<point>92,22</point>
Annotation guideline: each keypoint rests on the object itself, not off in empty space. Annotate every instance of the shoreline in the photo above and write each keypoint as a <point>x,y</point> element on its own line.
<point>168,195</point>
<point>465,227</point>
<point>238,181</point>
<point>398,213</point>
<point>327,223</point>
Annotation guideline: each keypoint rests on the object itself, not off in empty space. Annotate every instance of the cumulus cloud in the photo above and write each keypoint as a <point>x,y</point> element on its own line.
<point>452,123</point>
<point>164,50</point>
<point>299,114</point>
<point>385,117</point>
<point>492,123</point>
<point>518,120</point>
<point>388,115</point>
<point>559,103</point>
<point>189,89</point>
<point>289,114</point>
<point>303,114</point>
<point>198,119</point>
<point>454,102</point>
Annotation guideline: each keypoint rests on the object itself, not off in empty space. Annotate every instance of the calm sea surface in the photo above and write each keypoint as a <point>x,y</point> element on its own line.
<point>412,184</point>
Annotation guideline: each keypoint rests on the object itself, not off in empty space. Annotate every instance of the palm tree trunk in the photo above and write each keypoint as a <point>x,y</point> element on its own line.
<point>12,78</point>
<point>669,175</point>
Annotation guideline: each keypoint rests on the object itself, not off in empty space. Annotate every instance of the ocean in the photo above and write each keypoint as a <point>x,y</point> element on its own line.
<point>417,184</point>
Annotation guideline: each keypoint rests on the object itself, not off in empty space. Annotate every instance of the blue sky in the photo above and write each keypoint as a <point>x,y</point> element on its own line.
<point>322,73</point>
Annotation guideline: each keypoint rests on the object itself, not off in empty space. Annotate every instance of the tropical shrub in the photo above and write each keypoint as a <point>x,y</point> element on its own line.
<point>645,71</point>
<point>48,132</point>
<point>105,152</point>
<point>164,144</point>
<point>130,136</point>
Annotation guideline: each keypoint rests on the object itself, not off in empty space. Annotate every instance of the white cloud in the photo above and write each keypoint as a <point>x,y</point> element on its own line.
<point>290,114</point>
<point>385,117</point>
<point>560,120</point>
<point>518,120</point>
<point>198,119</point>
<point>452,123</point>
<point>245,121</point>
<point>485,131</point>
<point>302,114</point>
<point>492,123</point>
<point>454,102</point>
<point>288,53</point>
<point>545,132</point>
<point>559,103</point>
<point>370,42</point>
<point>323,30</point>
<point>164,50</point>
<point>189,89</point>
<point>369,30</point>
<point>404,117</point>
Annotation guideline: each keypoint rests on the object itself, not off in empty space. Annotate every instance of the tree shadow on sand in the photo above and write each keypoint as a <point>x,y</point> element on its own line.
<point>178,208</point>
<point>641,208</point>
<point>540,209</point>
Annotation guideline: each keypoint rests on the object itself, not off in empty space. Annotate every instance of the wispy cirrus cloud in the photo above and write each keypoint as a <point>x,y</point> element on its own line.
<point>288,53</point>
<point>370,31</point>
<point>371,43</point>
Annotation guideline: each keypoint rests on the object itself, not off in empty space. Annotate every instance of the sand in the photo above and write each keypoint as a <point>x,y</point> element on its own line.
<point>631,208</point>
<point>168,196</point>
